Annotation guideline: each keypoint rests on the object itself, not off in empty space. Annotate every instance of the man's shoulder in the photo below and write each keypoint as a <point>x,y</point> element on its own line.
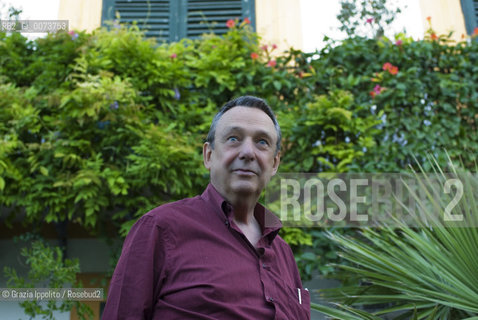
<point>282,247</point>
<point>281,242</point>
<point>174,210</point>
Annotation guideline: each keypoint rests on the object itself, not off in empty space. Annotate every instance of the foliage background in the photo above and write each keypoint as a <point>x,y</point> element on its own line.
<point>97,129</point>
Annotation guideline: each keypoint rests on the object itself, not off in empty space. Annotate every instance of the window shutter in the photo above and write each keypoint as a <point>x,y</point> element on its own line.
<point>211,16</point>
<point>470,12</point>
<point>151,16</point>
<point>172,20</point>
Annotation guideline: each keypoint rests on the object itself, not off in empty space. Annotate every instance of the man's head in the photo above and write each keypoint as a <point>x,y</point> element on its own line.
<point>242,148</point>
<point>245,101</point>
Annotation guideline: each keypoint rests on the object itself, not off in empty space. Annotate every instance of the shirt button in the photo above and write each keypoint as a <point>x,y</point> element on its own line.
<point>270,299</point>
<point>265,266</point>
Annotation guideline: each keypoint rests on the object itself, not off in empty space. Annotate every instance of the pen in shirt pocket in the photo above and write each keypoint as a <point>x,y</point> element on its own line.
<point>299,294</point>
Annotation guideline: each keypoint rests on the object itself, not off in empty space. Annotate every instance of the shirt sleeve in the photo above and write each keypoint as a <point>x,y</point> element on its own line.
<point>135,284</point>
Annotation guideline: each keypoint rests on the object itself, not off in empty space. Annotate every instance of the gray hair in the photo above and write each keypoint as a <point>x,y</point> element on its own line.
<point>244,101</point>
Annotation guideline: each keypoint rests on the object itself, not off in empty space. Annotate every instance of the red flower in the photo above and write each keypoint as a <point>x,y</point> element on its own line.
<point>373,94</point>
<point>393,70</point>
<point>230,23</point>
<point>475,31</point>
<point>369,20</point>
<point>272,63</point>
<point>254,56</point>
<point>247,21</point>
<point>399,42</point>
<point>434,36</point>
<point>274,46</point>
<point>387,66</point>
<point>173,56</point>
<point>264,47</point>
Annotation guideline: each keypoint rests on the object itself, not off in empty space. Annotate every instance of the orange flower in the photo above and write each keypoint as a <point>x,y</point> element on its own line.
<point>272,63</point>
<point>434,36</point>
<point>254,56</point>
<point>230,23</point>
<point>393,70</point>
<point>247,21</point>
<point>429,19</point>
<point>475,31</point>
<point>387,66</point>
<point>373,94</point>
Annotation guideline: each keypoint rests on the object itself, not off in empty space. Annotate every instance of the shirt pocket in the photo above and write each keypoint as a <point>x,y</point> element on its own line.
<point>298,300</point>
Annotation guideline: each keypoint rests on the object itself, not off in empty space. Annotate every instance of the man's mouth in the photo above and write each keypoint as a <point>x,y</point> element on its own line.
<point>247,172</point>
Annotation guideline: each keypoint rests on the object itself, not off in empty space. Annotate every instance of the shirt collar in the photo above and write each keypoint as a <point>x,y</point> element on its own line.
<point>269,222</point>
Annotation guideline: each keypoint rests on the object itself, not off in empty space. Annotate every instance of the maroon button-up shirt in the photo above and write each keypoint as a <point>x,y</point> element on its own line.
<point>188,260</point>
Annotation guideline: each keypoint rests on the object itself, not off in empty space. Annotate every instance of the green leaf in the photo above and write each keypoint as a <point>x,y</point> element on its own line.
<point>277,84</point>
<point>44,171</point>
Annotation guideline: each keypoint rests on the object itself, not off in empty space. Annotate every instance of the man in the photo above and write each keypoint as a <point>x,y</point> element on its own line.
<point>218,255</point>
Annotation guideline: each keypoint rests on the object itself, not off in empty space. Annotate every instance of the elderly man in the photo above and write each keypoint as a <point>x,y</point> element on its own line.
<point>217,255</point>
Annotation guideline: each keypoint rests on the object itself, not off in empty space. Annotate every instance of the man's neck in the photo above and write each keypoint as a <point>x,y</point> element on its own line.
<point>243,205</point>
<point>243,209</point>
<point>252,230</point>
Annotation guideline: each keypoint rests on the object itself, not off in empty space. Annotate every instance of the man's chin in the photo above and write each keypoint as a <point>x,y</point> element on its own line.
<point>245,188</point>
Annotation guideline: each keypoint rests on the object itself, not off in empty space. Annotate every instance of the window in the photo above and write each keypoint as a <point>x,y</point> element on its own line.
<point>172,20</point>
<point>470,11</point>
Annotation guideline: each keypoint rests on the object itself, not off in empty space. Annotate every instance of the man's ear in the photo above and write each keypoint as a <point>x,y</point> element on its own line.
<point>276,163</point>
<point>206,154</point>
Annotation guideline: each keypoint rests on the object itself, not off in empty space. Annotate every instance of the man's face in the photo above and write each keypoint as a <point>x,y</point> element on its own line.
<point>244,156</point>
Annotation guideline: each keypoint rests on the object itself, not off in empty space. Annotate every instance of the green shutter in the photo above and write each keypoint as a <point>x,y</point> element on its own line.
<point>172,20</point>
<point>211,16</point>
<point>151,16</point>
<point>470,12</point>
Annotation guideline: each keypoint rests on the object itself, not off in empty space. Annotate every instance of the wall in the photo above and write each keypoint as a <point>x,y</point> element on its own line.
<point>446,16</point>
<point>279,22</point>
<point>83,15</point>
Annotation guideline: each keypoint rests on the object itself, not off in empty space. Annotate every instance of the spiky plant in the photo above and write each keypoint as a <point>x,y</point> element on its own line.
<point>420,271</point>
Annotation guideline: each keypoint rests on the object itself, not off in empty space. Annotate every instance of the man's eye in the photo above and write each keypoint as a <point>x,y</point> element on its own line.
<point>264,142</point>
<point>232,139</point>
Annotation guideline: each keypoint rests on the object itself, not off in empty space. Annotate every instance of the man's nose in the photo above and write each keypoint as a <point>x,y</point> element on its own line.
<point>247,151</point>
